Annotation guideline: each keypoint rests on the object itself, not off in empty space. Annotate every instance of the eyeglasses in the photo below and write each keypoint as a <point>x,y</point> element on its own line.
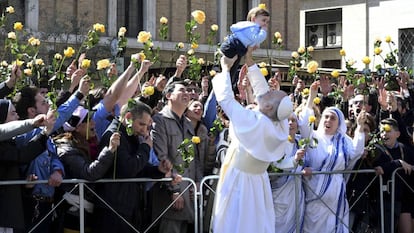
<point>193,89</point>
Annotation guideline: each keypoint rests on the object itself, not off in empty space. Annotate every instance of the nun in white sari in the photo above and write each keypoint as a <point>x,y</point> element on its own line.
<point>326,206</point>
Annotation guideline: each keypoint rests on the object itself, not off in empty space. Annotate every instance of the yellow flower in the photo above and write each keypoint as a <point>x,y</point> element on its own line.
<point>99,27</point>
<point>386,128</point>
<point>312,119</point>
<point>39,62</point>
<point>33,41</point>
<point>18,26</point>
<point>290,139</point>
<point>278,35</point>
<point>143,36</point>
<point>180,45</point>
<point>10,9</point>
<point>103,64</point>
<point>194,45</point>
<point>201,61</point>
<point>30,64</point>
<point>310,49</point>
<point>214,27</point>
<point>388,39</point>
<point>312,67</point>
<point>86,63</point>
<point>264,71</point>
<point>262,64</point>
<point>212,73</point>
<point>301,50</point>
<point>4,63</point>
<point>142,56</point>
<point>163,20</point>
<point>335,73</point>
<point>68,52</point>
<point>351,62</point>
<point>58,56</point>
<point>279,41</point>
<point>262,6</point>
<point>18,62</point>
<point>150,44</point>
<point>377,40</point>
<point>190,52</point>
<point>199,16</point>
<point>305,92</point>
<point>317,100</point>
<point>366,60</point>
<point>122,31</point>
<point>342,52</point>
<point>27,72</point>
<point>11,35</point>
<point>295,55</point>
<point>195,140</point>
<point>149,90</point>
<point>377,50</point>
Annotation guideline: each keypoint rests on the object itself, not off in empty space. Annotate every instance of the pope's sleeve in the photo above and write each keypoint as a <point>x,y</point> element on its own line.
<point>257,80</point>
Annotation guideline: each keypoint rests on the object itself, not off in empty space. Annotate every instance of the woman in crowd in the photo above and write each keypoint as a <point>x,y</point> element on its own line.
<point>326,208</point>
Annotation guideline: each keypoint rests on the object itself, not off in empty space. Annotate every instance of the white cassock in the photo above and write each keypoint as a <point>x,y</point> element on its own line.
<point>244,201</point>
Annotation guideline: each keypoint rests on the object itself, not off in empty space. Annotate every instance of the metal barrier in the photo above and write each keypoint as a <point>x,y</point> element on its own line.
<point>208,181</point>
<point>82,184</point>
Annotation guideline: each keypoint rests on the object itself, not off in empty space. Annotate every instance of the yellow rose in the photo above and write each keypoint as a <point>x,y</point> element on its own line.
<point>342,52</point>
<point>180,45</point>
<point>301,50</point>
<point>262,64</point>
<point>190,52</point>
<point>122,31</point>
<point>290,139</point>
<point>4,63</point>
<point>149,90</point>
<point>279,41</point>
<point>262,6</point>
<point>30,64</point>
<point>305,92</point>
<point>264,71</point>
<point>377,40</point>
<point>388,39</point>
<point>142,56</point>
<point>27,72</point>
<point>11,35</point>
<point>143,36</point>
<point>86,63</point>
<point>278,35</point>
<point>58,56</point>
<point>212,73</point>
<point>377,50</point>
<point>295,55</point>
<point>366,60</point>
<point>351,62</point>
<point>18,26</point>
<point>386,128</point>
<point>39,62</point>
<point>163,20</point>
<point>33,41</point>
<point>103,64</point>
<point>312,67</point>
<point>317,100</point>
<point>99,27</point>
<point>201,61</point>
<point>335,73</point>
<point>68,52</point>
<point>195,140</point>
<point>194,45</point>
<point>10,9</point>
<point>312,119</point>
<point>310,49</point>
<point>214,27</point>
<point>199,16</point>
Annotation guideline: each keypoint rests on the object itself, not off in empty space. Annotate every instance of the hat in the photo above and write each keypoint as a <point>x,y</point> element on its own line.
<point>78,116</point>
<point>4,110</point>
<point>285,108</point>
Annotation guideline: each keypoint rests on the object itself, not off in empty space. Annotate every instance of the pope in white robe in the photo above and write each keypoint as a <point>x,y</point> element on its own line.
<point>244,201</point>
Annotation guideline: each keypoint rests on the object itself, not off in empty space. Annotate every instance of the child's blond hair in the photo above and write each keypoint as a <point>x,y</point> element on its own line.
<point>254,12</point>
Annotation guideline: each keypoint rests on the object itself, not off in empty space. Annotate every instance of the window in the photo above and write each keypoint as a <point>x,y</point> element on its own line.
<point>406,45</point>
<point>130,15</point>
<point>324,28</point>
<point>237,10</point>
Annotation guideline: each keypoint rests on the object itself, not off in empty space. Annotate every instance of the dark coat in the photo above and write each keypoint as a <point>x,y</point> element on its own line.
<point>11,157</point>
